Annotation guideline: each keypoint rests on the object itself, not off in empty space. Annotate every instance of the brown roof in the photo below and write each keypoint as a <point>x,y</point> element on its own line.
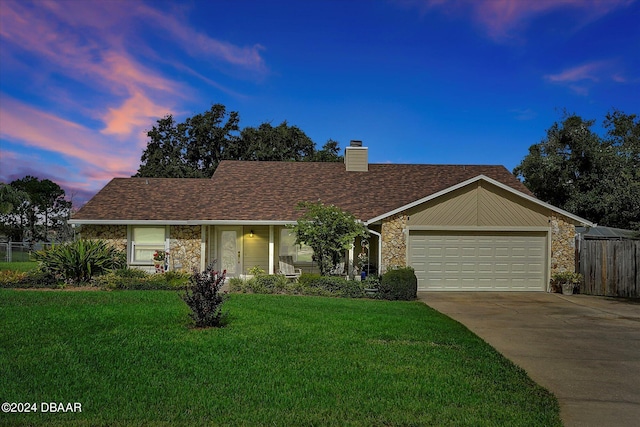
<point>269,191</point>
<point>167,199</point>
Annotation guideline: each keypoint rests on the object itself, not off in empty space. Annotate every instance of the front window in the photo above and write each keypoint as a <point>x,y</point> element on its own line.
<point>288,247</point>
<point>145,241</point>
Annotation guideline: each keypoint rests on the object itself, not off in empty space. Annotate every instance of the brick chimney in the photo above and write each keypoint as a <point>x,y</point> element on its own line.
<point>356,157</point>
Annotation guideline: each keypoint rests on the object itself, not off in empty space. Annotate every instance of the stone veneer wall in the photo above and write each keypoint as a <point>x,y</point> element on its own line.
<point>184,248</point>
<point>116,235</point>
<point>394,242</point>
<point>563,254</point>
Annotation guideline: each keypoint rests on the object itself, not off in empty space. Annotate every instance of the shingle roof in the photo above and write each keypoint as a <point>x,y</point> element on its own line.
<point>138,199</point>
<point>270,191</point>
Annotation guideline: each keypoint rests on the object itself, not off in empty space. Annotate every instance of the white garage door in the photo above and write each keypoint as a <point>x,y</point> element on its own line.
<point>479,261</point>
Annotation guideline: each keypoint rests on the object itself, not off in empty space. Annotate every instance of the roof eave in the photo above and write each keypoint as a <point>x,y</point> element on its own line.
<point>176,222</point>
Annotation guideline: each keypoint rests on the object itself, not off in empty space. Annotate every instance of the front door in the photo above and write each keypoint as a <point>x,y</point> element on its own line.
<point>230,250</point>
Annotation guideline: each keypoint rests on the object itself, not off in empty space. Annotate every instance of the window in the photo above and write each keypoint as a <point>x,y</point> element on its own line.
<point>300,253</point>
<point>144,242</point>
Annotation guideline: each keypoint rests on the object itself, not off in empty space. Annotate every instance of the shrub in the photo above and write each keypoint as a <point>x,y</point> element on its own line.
<point>204,298</point>
<point>260,284</point>
<point>371,282</point>
<point>10,278</point>
<point>315,284</point>
<point>268,284</point>
<point>81,260</point>
<point>236,284</point>
<point>399,284</point>
<point>256,271</point>
<point>306,279</point>
<point>29,279</point>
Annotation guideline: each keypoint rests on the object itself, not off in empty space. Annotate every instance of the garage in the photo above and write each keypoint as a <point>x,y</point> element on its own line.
<point>479,260</point>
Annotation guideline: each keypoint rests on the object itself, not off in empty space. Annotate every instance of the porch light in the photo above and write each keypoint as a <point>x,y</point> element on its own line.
<point>251,233</point>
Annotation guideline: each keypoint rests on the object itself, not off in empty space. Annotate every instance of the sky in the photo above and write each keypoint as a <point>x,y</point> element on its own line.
<point>418,81</point>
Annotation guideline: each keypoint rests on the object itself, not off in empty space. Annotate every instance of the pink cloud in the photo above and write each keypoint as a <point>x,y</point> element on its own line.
<point>582,72</point>
<point>97,44</point>
<point>70,139</point>
<point>581,77</point>
<point>136,113</point>
<point>82,51</point>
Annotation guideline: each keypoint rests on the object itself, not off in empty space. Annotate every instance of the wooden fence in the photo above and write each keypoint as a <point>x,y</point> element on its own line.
<point>610,267</point>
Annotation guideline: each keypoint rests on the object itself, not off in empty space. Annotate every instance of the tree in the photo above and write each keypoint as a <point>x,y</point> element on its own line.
<point>195,147</point>
<point>596,177</point>
<point>192,149</point>
<point>268,143</point>
<point>42,209</point>
<point>330,152</point>
<point>11,199</point>
<point>329,231</point>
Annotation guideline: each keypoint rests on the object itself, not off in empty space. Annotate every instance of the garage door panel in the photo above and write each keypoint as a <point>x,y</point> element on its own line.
<point>479,260</point>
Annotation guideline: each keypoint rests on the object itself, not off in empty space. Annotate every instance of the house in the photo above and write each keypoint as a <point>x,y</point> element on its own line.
<point>461,227</point>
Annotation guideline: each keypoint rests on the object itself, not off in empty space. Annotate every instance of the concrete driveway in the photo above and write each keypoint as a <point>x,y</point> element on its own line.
<point>585,349</point>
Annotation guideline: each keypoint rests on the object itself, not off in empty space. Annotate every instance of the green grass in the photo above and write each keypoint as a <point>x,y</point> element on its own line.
<point>18,266</point>
<point>130,359</point>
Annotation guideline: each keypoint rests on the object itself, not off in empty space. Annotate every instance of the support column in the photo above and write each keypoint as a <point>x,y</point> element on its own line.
<point>272,251</point>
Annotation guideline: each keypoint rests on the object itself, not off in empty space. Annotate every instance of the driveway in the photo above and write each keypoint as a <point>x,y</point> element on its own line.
<point>585,349</point>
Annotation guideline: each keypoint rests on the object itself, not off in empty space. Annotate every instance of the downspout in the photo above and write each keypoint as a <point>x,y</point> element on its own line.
<point>379,249</point>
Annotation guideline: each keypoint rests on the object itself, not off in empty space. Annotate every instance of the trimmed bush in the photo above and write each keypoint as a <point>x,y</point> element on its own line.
<point>268,284</point>
<point>306,279</point>
<point>335,286</point>
<point>236,284</point>
<point>30,279</point>
<point>260,284</point>
<point>307,284</point>
<point>204,298</point>
<point>399,284</point>
<point>79,261</point>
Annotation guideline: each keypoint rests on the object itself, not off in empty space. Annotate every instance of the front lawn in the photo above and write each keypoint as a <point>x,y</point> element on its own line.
<point>129,358</point>
<point>18,266</point>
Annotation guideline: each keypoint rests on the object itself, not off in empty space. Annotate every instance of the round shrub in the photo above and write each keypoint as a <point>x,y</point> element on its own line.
<point>399,284</point>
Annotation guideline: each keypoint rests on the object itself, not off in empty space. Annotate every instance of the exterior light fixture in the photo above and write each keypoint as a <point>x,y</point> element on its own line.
<point>251,233</point>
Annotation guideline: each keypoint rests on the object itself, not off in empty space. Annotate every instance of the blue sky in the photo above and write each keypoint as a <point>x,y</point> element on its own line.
<point>418,81</point>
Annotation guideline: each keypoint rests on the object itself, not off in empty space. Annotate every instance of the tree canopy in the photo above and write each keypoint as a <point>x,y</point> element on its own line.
<point>594,176</point>
<point>329,231</point>
<point>195,147</point>
<point>33,209</point>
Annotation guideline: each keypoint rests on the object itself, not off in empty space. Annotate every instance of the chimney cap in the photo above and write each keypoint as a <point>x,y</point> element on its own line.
<point>356,143</point>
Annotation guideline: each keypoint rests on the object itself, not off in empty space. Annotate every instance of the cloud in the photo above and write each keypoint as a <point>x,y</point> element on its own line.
<point>91,64</point>
<point>581,78</point>
<point>587,71</point>
<point>503,19</point>
<point>75,142</point>
<point>82,44</point>
<point>132,116</point>
<point>198,44</point>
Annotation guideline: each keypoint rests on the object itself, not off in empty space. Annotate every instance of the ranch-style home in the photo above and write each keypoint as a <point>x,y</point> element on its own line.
<point>461,227</point>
